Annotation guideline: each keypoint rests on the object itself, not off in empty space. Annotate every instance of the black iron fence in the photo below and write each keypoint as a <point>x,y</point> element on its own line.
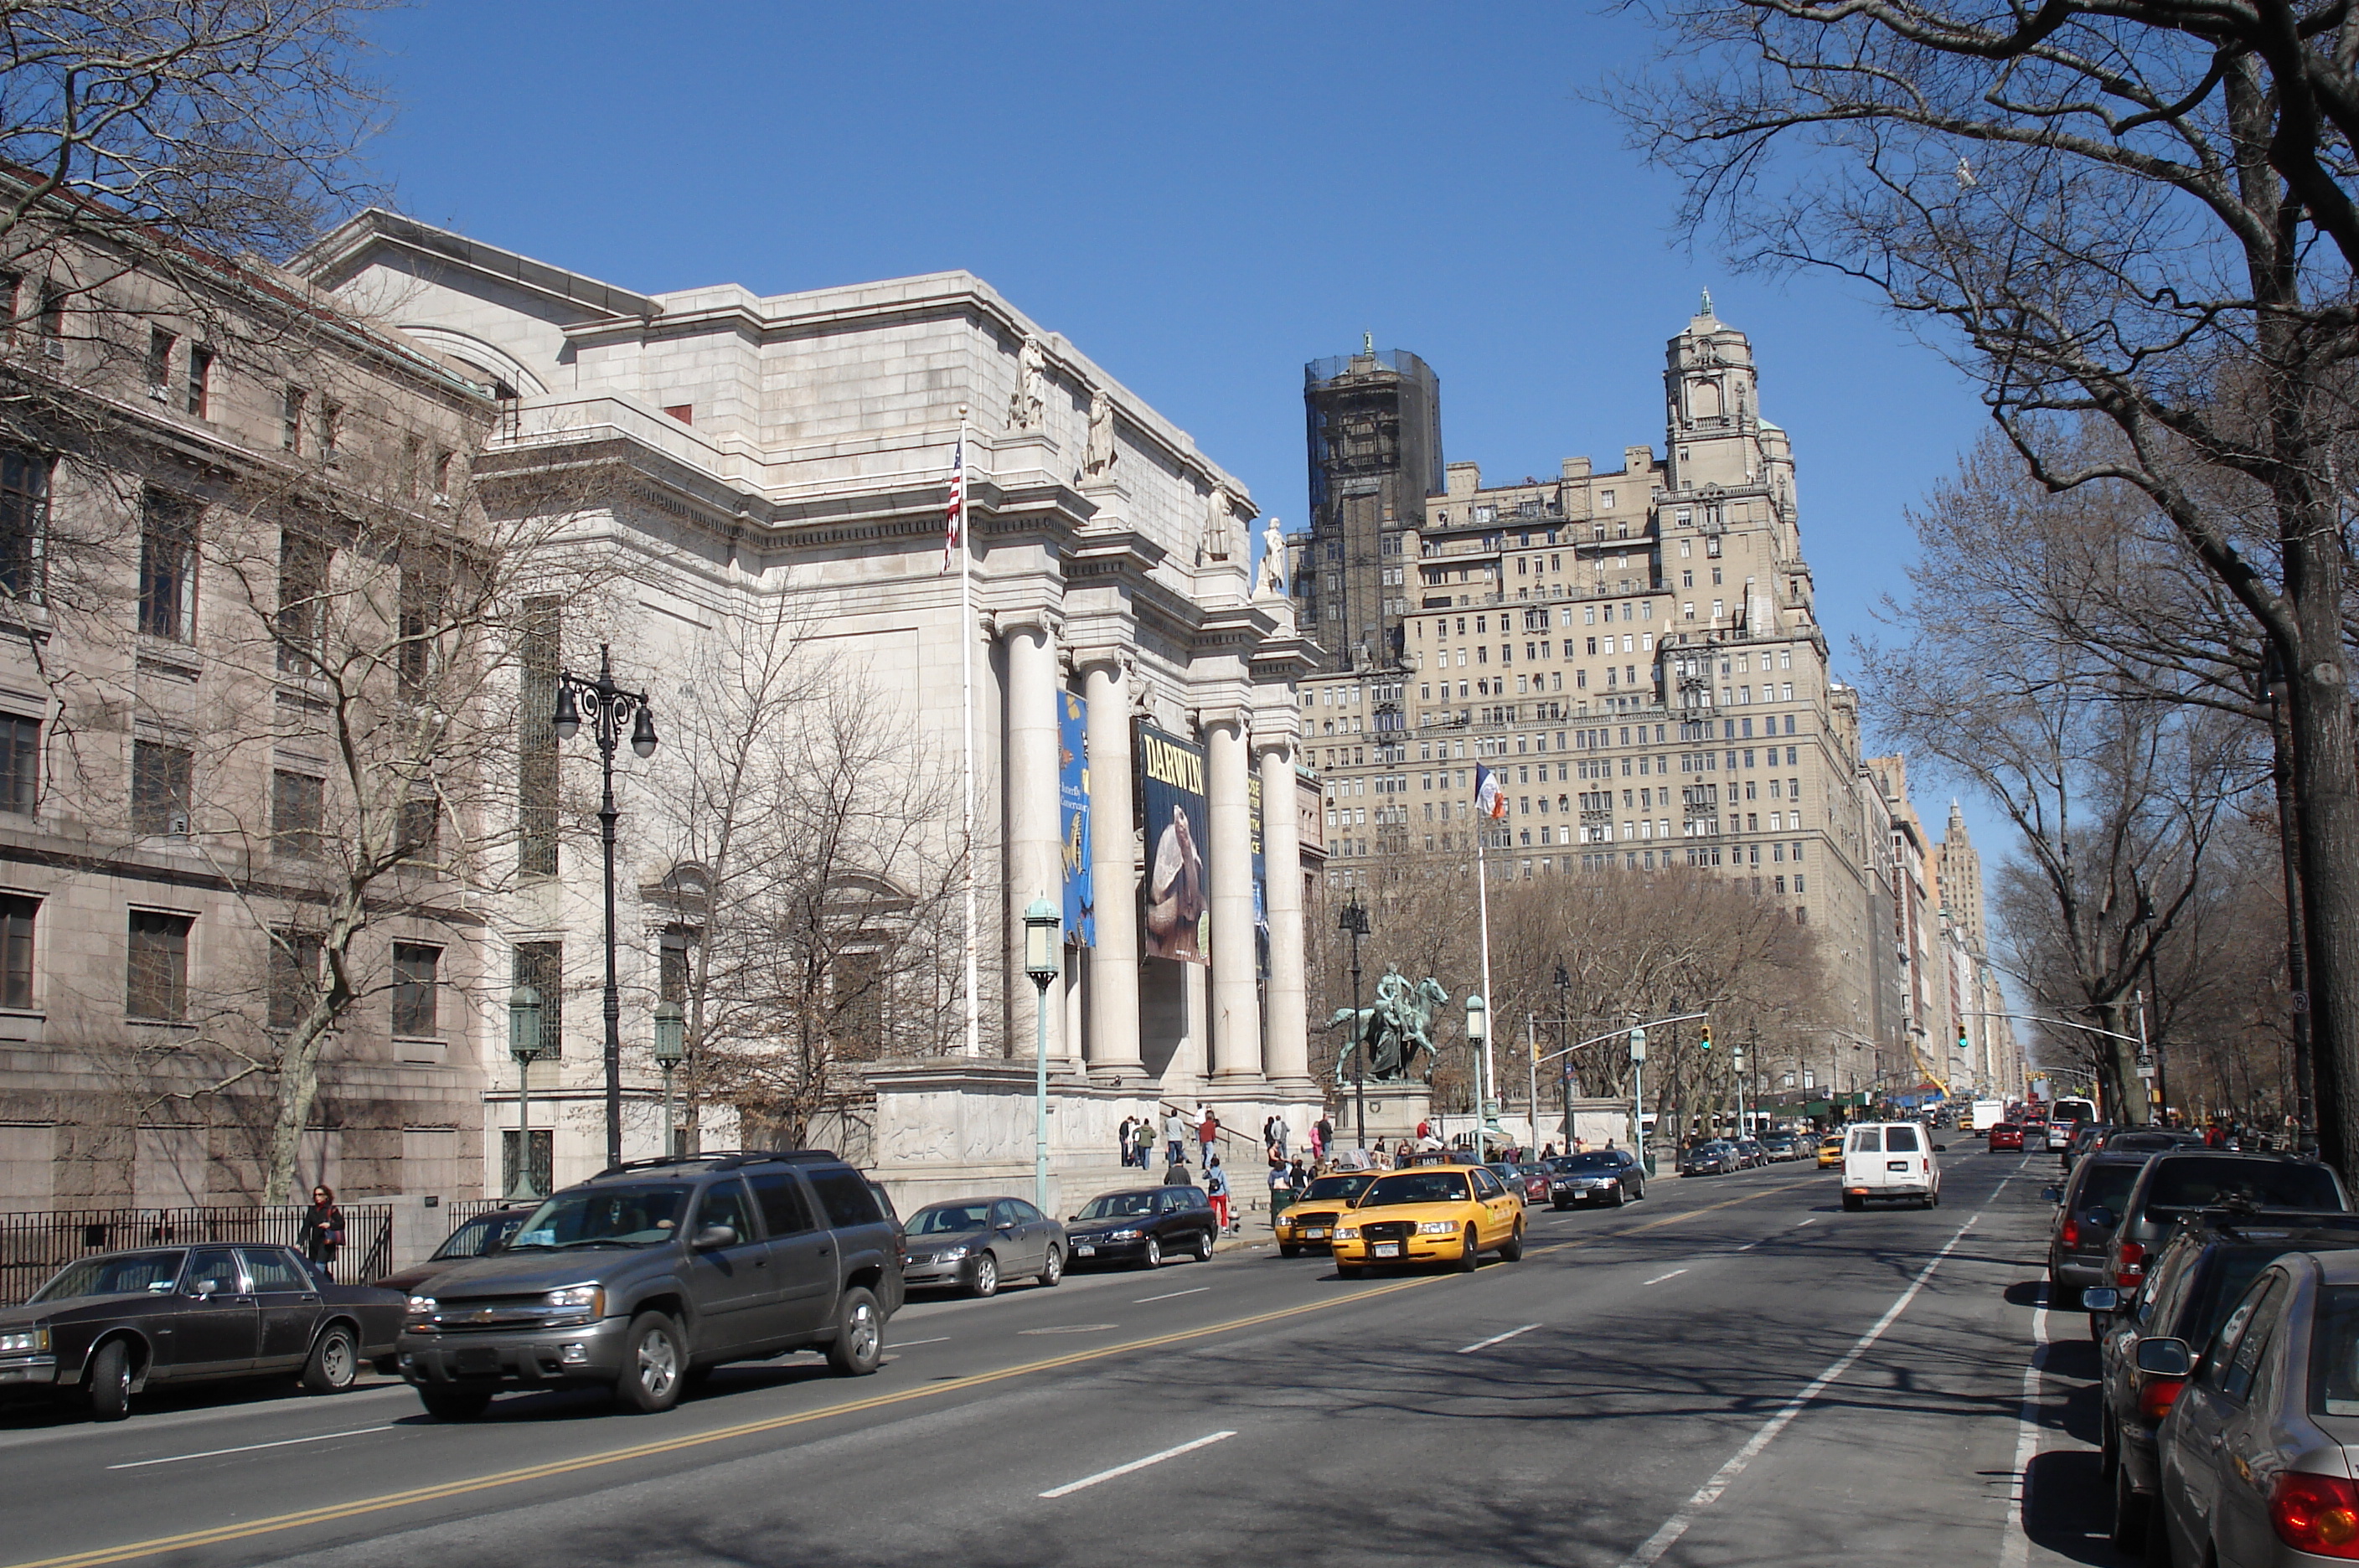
<point>34,1245</point>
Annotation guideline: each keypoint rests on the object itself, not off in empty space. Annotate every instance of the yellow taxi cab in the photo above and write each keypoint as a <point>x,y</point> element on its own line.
<point>1831,1150</point>
<point>1311,1223</point>
<point>1434,1213</point>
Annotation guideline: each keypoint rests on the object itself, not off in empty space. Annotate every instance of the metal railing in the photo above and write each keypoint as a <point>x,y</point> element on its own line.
<point>34,1245</point>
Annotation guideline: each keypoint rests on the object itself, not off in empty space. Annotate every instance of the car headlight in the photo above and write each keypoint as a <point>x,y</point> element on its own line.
<point>1347,1232</point>
<point>423,1306</point>
<point>953,1254</point>
<point>18,1342</point>
<point>576,1304</point>
<point>1124,1234</point>
<point>1437,1228</point>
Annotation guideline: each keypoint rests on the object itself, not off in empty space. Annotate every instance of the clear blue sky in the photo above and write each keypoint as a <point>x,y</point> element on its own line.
<point>1201,196</point>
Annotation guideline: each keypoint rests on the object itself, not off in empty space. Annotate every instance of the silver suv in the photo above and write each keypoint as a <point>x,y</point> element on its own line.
<point>645,1277</point>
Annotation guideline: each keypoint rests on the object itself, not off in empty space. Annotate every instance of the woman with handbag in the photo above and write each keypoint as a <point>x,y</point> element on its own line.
<point>323,1227</point>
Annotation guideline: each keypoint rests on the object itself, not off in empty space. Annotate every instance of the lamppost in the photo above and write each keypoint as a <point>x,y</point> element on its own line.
<point>1040,962</point>
<point>524,1044</point>
<point>1354,919</point>
<point>1736,1064</point>
<point>608,705</point>
<point>1478,1037</point>
<point>1638,1098</point>
<point>1563,1040</point>
<point>671,1044</point>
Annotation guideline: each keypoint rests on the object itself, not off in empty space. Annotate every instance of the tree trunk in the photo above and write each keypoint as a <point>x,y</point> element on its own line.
<point>298,1087</point>
<point>2328,800</point>
<point>2305,1111</point>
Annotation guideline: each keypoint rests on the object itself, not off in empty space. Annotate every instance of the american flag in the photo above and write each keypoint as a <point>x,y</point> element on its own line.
<point>954,518</point>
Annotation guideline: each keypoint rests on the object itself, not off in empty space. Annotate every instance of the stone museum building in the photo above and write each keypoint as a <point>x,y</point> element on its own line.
<point>762,470</point>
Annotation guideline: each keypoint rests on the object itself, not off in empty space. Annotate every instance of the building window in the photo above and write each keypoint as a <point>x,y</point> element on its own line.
<point>20,764</point>
<point>201,382</point>
<point>297,810</point>
<point>16,951</point>
<point>160,792</point>
<point>52,324</point>
<point>160,363</point>
<point>542,1159</point>
<point>672,971</point>
<point>290,420</point>
<point>167,565</point>
<point>421,609</point>
<point>157,978</point>
<point>23,522</point>
<point>332,429</point>
<point>294,977</point>
<point>416,990</point>
<point>536,740</point>
<point>302,594</point>
<point>541,965</point>
<point>420,826</point>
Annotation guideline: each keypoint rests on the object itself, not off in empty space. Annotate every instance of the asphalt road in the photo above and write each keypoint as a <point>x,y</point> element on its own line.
<point>1734,1371</point>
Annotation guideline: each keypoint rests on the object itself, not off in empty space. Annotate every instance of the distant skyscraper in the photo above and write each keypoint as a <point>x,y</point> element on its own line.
<point>1375,429</point>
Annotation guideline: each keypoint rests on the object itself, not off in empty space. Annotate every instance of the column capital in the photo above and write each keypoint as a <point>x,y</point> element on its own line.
<point>1042,619</point>
<point>1208,719</point>
<point>1114,656</point>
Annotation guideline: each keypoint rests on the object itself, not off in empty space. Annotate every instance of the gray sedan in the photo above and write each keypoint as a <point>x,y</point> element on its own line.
<point>2257,1452</point>
<point>975,1244</point>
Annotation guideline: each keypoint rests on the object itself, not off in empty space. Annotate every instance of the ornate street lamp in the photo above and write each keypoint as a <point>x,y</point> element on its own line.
<point>607,705</point>
<point>1354,921</point>
<point>1638,1097</point>
<point>524,1045</point>
<point>1041,963</point>
<point>1477,1032</point>
<point>671,1044</point>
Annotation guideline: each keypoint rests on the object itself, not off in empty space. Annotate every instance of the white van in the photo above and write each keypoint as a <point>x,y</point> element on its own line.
<point>1890,1159</point>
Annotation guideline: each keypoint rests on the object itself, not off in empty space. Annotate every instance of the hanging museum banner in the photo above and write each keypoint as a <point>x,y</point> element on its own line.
<point>1171,802</point>
<point>1073,819</point>
<point>1260,878</point>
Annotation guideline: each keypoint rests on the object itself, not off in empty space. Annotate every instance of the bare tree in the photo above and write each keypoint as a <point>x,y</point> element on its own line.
<point>2141,217</point>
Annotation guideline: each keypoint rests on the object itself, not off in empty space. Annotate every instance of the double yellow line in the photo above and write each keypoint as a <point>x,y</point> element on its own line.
<point>333,1512</point>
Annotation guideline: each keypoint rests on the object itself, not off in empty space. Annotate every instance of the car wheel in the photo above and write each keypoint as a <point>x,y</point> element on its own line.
<point>453,1404</point>
<point>653,1364</point>
<point>110,1381</point>
<point>1620,1197</point>
<point>1348,1271</point>
<point>1853,1202</point>
<point>334,1362</point>
<point>1470,1252</point>
<point>2132,1515</point>
<point>1512,1250</point>
<point>1054,1269</point>
<point>2109,1446</point>
<point>983,1276</point>
<point>1559,1208</point>
<point>1286,1251</point>
<point>1204,1246</point>
<point>859,1347</point>
<point>1151,1254</point>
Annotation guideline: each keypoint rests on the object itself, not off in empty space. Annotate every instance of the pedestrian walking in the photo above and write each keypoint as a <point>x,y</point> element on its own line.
<point>1175,1135</point>
<point>1273,1133</point>
<point>1207,1131</point>
<point>1322,1137</point>
<point>1176,1174</point>
<point>1216,1188</point>
<point>1299,1175</point>
<point>323,1227</point>
<point>1122,1150</point>
<point>1142,1143</point>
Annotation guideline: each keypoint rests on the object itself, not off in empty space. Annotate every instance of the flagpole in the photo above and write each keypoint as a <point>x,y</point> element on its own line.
<point>1490,1004</point>
<point>966,707</point>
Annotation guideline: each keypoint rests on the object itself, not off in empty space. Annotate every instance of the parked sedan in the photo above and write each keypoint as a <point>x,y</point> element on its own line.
<point>1751,1152</point>
<point>1717,1157</point>
<point>114,1323</point>
<point>1784,1146</point>
<point>1602,1176</point>
<point>2254,1467</point>
<point>479,1237</point>
<point>1517,1177</point>
<point>1142,1226</point>
<point>974,1244</point>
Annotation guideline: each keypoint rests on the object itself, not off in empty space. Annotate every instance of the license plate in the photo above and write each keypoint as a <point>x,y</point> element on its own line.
<point>1387,1250</point>
<point>479,1363</point>
<point>1085,1252</point>
<point>1316,1232</point>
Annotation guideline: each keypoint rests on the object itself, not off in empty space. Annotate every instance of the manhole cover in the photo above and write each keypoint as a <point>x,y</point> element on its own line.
<point>1070,1328</point>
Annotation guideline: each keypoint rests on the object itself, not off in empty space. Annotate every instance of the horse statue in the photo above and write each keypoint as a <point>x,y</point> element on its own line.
<point>1396,1031</point>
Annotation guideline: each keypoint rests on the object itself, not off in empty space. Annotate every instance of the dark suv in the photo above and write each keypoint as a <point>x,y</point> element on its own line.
<point>646,1276</point>
<point>2179,1183</point>
<point>2088,1206</point>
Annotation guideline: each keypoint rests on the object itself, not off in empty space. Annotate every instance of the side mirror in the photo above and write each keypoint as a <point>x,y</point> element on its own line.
<point>2052,1194</point>
<point>1940,1149</point>
<point>2165,1357</point>
<point>714,1236</point>
<point>204,1287</point>
<point>2100,1299</point>
<point>1007,1224</point>
<point>2099,1216</point>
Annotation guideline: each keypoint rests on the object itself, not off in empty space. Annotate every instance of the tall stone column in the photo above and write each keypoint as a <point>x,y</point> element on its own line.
<point>1236,1006</point>
<point>1029,804</point>
<point>1113,990</point>
<point>1287,1057</point>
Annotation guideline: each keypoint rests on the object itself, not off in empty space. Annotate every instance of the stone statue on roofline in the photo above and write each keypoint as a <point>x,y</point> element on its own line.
<point>1025,407</point>
<point>1220,517</point>
<point>1098,456</point>
<point>1270,578</point>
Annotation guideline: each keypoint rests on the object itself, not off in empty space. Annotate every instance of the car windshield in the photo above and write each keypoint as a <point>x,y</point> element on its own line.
<point>1339,1186</point>
<point>604,1216</point>
<point>481,1236</point>
<point>2107,1185</point>
<point>126,1274</point>
<point>944,1219</point>
<point>2190,1183</point>
<point>1417,1187</point>
<point>1118,1205</point>
<point>1598,1162</point>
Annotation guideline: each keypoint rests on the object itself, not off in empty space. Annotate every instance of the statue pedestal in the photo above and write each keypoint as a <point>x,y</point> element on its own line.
<point>1394,1111</point>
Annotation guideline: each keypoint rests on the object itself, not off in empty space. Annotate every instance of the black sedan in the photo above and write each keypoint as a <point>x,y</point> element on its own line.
<point>1142,1225</point>
<point>111,1324</point>
<point>1602,1176</point>
<point>1717,1157</point>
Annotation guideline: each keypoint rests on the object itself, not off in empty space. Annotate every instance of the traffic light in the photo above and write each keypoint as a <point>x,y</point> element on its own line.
<point>1963,1049</point>
<point>1706,1042</point>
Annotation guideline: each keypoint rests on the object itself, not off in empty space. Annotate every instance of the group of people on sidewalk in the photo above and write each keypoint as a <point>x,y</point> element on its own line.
<point>1288,1173</point>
